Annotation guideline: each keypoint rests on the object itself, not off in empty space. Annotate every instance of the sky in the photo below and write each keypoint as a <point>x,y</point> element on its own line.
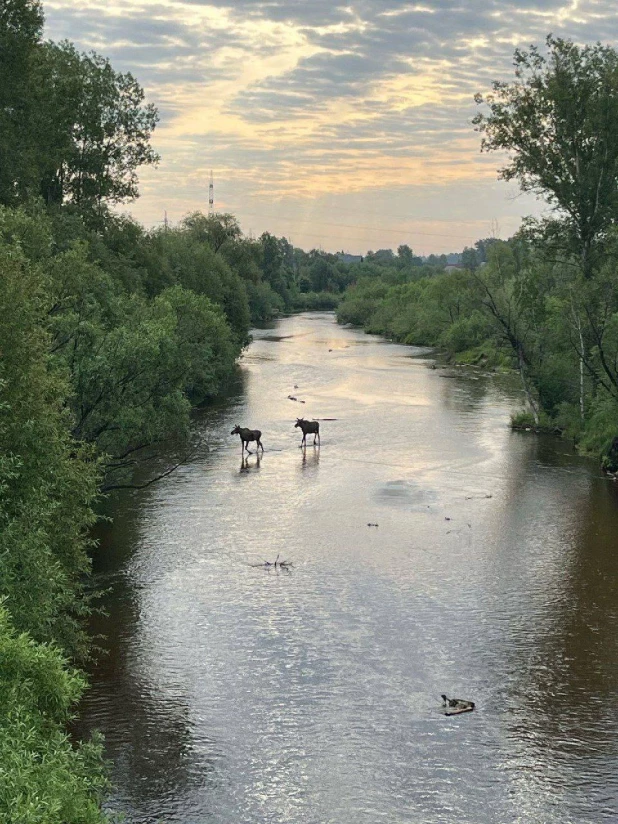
<point>341,126</point>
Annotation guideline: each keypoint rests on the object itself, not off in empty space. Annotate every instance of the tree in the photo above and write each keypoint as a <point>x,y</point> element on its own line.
<point>135,364</point>
<point>482,245</point>
<point>212,229</point>
<point>92,125</point>
<point>406,257</point>
<point>44,776</point>
<point>559,122</point>
<point>273,266</point>
<point>48,481</point>
<point>469,259</point>
<point>510,292</point>
<point>383,257</point>
<point>21,28</point>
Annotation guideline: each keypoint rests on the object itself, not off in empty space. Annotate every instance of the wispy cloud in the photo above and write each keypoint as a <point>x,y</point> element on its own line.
<point>314,110</point>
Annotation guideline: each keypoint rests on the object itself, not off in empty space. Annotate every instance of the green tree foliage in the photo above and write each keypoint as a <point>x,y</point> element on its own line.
<point>76,131</point>
<point>71,128</point>
<point>559,122</point>
<point>135,364</point>
<point>94,129</point>
<point>21,28</point>
<point>406,257</point>
<point>215,230</point>
<point>470,259</point>
<point>48,482</point>
<point>275,272</point>
<point>184,257</point>
<point>44,779</point>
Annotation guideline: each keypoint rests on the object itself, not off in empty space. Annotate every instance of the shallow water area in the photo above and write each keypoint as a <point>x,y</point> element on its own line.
<point>238,693</point>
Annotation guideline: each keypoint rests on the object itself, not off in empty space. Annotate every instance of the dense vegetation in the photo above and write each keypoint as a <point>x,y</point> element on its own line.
<point>546,302</point>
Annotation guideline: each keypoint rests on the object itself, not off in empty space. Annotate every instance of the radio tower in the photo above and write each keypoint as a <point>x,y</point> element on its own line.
<point>211,195</point>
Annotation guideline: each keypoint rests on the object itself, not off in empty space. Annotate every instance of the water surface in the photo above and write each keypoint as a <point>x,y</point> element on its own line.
<point>233,693</point>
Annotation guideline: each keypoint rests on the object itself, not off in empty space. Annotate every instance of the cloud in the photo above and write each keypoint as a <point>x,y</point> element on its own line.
<point>300,102</point>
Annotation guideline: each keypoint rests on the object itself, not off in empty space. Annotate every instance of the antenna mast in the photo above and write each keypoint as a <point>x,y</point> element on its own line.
<point>211,195</point>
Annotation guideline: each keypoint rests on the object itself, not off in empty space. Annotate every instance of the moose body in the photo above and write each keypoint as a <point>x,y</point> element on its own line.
<point>308,427</point>
<point>246,436</point>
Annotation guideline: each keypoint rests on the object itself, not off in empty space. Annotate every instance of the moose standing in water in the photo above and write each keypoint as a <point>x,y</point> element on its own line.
<point>308,427</point>
<point>247,435</point>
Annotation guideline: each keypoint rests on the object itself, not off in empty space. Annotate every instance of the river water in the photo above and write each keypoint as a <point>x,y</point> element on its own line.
<point>234,693</point>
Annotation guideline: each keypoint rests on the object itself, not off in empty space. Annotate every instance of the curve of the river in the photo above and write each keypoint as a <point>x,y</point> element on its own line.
<point>233,693</point>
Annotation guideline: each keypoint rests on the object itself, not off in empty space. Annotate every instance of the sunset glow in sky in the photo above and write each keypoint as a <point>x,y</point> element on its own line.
<point>337,125</point>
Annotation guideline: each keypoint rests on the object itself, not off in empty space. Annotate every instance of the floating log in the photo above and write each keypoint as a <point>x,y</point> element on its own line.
<point>455,706</point>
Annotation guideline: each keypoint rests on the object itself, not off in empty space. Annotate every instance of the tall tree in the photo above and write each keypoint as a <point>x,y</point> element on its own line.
<point>21,28</point>
<point>47,481</point>
<point>94,128</point>
<point>559,122</point>
<point>212,229</point>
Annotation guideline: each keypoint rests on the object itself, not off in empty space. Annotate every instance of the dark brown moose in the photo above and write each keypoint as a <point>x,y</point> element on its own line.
<point>246,436</point>
<point>308,427</point>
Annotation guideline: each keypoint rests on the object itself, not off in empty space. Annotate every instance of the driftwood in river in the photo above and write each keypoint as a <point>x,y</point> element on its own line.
<point>276,564</point>
<point>455,706</point>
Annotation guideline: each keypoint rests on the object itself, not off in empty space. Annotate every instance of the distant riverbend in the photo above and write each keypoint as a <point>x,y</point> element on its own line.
<point>432,549</point>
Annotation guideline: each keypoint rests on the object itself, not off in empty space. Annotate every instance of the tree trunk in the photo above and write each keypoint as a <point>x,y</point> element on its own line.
<point>526,387</point>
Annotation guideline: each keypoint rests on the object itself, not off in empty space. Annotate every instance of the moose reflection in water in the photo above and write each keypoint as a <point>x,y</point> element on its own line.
<point>245,466</point>
<point>308,427</point>
<point>246,436</point>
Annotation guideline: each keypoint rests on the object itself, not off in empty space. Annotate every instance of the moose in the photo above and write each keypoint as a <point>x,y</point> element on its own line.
<point>246,436</point>
<point>308,427</point>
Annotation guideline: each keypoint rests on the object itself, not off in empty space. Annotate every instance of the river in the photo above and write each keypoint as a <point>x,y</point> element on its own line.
<point>232,693</point>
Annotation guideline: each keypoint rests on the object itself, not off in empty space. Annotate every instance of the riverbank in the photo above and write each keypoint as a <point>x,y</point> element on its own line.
<point>475,319</point>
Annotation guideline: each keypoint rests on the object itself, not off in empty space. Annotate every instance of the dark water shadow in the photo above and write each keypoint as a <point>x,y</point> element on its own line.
<point>312,459</point>
<point>152,756</point>
<point>250,463</point>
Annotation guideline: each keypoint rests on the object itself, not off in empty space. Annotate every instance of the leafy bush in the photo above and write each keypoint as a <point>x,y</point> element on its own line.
<point>315,301</point>
<point>44,779</point>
